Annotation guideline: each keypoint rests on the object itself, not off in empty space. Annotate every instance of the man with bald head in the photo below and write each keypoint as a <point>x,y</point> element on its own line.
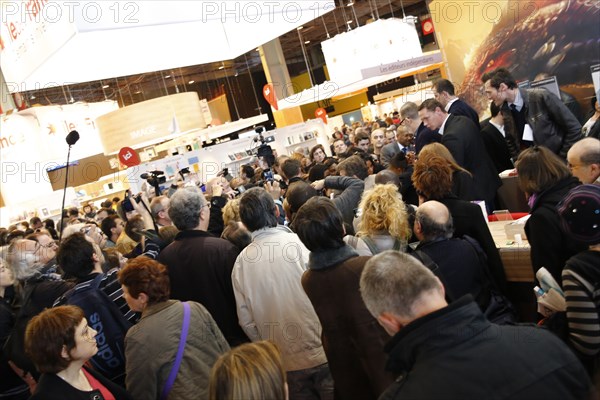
<point>378,141</point>
<point>584,160</point>
<point>458,259</point>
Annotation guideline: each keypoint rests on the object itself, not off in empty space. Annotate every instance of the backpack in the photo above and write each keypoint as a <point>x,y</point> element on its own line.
<point>373,247</point>
<point>103,316</point>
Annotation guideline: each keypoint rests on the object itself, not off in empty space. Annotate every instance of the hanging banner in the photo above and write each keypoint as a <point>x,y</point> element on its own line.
<point>321,113</point>
<point>149,122</point>
<point>269,94</point>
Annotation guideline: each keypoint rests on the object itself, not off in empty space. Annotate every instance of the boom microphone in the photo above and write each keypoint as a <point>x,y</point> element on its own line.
<point>72,138</point>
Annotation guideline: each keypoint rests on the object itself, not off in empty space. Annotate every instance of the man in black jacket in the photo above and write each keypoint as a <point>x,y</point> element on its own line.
<point>540,116</point>
<point>463,139</point>
<point>200,264</point>
<point>499,141</point>
<point>441,351</point>
<point>458,259</point>
<point>443,91</point>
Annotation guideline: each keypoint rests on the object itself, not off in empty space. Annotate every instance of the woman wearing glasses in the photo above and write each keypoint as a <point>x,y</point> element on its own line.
<point>59,342</point>
<point>34,269</point>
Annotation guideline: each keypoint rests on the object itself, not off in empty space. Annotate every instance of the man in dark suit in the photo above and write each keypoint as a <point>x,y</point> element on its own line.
<point>410,119</point>
<point>402,144</point>
<point>500,144</point>
<point>461,136</point>
<point>443,91</point>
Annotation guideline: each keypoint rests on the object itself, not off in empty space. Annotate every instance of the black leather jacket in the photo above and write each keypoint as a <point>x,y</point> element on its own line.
<point>554,125</point>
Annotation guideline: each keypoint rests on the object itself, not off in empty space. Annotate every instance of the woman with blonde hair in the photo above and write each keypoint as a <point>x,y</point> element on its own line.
<point>462,180</point>
<point>252,371</point>
<point>384,222</point>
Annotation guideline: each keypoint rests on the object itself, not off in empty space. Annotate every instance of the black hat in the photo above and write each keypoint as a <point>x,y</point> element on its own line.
<point>580,214</point>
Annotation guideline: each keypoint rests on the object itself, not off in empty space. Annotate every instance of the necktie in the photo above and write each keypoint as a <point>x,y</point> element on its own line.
<point>509,132</point>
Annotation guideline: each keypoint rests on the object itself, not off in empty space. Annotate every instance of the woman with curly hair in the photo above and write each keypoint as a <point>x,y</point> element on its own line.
<point>384,223</point>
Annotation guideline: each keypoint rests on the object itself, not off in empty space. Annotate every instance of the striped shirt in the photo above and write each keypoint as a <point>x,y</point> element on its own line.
<point>112,288</point>
<point>582,293</point>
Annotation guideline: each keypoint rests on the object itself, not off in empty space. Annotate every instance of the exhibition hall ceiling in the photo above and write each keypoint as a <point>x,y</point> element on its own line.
<point>300,46</point>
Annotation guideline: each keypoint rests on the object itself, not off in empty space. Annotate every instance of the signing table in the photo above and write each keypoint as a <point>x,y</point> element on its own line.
<point>515,257</point>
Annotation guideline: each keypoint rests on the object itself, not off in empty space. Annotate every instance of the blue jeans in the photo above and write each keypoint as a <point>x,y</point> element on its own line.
<point>311,383</point>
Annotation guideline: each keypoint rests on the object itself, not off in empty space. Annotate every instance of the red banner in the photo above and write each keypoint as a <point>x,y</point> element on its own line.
<point>129,157</point>
<point>321,113</point>
<point>269,94</point>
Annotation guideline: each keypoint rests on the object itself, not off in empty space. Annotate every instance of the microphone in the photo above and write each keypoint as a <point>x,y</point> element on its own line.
<point>72,138</point>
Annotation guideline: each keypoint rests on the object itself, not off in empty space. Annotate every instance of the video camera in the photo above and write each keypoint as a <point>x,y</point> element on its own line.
<point>264,151</point>
<point>155,178</point>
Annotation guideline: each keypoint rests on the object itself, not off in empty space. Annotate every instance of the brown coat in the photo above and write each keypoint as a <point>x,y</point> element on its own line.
<point>352,338</point>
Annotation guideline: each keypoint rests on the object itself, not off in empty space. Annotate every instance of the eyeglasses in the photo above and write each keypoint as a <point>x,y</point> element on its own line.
<point>50,245</point>
<point>206,205</point>
<point>401,121</point>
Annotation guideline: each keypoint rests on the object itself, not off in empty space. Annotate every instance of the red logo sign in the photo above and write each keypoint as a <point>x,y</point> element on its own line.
<point>427,26</point>
<point>129,157</point>
<point>269,94</point>
<point>321,113</point>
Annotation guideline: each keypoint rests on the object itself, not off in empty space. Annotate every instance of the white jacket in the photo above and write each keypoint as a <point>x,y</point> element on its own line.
<point>271,304</point>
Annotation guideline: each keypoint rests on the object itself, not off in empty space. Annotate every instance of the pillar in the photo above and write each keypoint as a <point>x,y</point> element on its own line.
<point>275,67</point>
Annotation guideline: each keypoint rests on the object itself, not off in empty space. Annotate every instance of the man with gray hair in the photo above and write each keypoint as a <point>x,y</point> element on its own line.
<point>438,351</point>
<point>583,159</point>
<point>200,264</point>
<point>271,303</point>
<point>159,207</point>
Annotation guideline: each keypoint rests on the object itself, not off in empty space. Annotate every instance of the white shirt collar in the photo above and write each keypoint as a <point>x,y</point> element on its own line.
<point>499,127</point>
<point>518,101</point>
<point>441,130</point>
<point>450,104</point>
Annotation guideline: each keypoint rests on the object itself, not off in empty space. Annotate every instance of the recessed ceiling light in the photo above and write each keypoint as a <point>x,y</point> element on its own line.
<point>221,67</point>
<point>349,22</point>
<point>300,27</point>
<point>105,86</point>
<point>190,82</point>
<point>350,4</point>
<point>307,42</point>
<point>167,76</point>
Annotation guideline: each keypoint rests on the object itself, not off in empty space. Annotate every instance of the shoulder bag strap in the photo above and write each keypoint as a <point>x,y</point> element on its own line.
<point>370,244</point>
<point>179,357</point>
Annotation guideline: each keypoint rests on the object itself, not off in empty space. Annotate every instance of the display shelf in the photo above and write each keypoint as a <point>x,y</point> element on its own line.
<point>238,161</point>
<point>300,143</point>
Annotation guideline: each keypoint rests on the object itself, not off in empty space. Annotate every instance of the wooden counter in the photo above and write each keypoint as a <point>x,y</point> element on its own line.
<point>516,258</point>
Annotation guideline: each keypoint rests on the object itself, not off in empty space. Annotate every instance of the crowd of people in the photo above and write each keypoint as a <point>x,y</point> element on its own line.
<point>368,273</point>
